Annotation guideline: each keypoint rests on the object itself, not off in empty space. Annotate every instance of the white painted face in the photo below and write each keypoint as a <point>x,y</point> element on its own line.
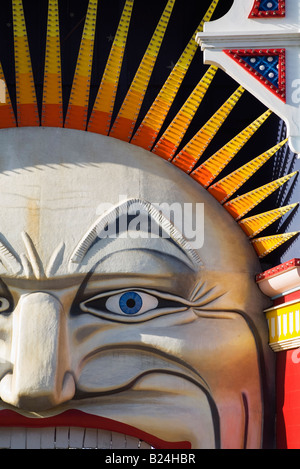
<point>151,337</point>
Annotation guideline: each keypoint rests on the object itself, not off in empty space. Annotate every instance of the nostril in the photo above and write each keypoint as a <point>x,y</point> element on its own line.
<point>5,387</point>
<point>68,387</point>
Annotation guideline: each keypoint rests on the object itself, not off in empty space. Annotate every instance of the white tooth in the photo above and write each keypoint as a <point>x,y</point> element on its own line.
<point>90,438</point>
<point>62,438</point>
<point>144,445</point>
<point>118,440</point>
<point>131,442</point>
<point>18,438</point>
<point>33,438</point>
<point>76,437</point>
<point>67,437</point>
<point>47,438</point>
<point>4,438</point>
<point>104,439</point>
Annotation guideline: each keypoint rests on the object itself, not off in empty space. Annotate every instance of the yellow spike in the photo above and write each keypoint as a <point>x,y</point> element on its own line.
<point>252,226</point>
<point>78,104</point>
<point>264,246</point>
<point>239,206</point>
<point>211,168</point>
<point>227,186</point>
<point>128,114</point>
<point>27,110</point>
<point>190,154</point>
<point>148,130</point>
<point>172,137</point>
<point>100,119</point>
<point>52,108</point>
<point>7,116</point>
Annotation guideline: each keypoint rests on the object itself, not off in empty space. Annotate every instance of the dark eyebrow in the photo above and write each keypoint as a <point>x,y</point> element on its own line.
<point>115,213</point>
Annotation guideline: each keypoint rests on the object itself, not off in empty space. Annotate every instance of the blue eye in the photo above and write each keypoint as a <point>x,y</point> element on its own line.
<point>130,302</point>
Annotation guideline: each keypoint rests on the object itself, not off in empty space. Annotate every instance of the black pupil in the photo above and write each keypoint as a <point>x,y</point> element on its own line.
<point>130,303</point>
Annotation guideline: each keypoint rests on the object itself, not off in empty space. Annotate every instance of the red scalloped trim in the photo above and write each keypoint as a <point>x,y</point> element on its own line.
<point>255,13</point>
<point>237,56</point>
<point>278,269</point>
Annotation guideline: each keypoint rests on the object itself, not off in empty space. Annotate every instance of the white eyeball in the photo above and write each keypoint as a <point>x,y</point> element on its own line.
<point>4,304</point>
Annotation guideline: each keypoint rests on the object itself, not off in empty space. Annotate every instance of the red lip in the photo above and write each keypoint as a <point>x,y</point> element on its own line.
<point>77,418</point>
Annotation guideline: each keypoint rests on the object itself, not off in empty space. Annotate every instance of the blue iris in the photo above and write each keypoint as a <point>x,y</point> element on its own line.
<point>130,302</point>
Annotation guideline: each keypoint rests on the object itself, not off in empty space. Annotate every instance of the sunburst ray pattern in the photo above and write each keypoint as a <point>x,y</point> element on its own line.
<point>126,119</point>
<point>52,110</point>
<point>242,204</point>
<point>7,117</point>
<point>152,123</point>
<point>76,117</point>
<point>27,109</point>
<point>167,145</point>
<point>227,186</point>
<point>189,156</point>
<point>268,244</point>
<point>162,137</point>
<point>256,224</point>
<point>101,116</point>
<point>206,173</point>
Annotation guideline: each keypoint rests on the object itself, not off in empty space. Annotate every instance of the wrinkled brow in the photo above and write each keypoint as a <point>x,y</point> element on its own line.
<point>123,209</point>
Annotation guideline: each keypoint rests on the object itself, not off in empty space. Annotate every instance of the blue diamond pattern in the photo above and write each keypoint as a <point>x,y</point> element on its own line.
<point>267,66</point>
<point>268,5</point>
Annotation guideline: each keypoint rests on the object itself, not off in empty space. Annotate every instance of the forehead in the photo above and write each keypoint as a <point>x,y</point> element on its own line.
<point>53,183</point>
<point>58,169</point>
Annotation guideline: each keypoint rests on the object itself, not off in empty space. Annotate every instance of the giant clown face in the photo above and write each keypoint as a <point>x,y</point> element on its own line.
<point>145,336</point>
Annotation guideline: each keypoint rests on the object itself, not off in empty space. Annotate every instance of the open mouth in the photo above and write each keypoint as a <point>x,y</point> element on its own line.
<point>67,438</point>
<point>85,431</point>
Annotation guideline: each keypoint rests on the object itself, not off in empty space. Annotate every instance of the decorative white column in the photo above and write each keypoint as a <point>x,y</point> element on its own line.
<point>257,43</point>
<point>282,285</point>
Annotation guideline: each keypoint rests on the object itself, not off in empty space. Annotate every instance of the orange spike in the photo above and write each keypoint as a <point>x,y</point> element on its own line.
<point>148,130</point>
<point>172,137</point>
<point>252,226</point>
<point>7,116</point>
<point>206,173</point>
<point>52,107</point>
<point>227,186</point>
<point>27,110</point>
<point>100,119</point>
<point>239,206</point>
<point>264,246</point>
<point>191,153</point>
<point>129,112</point>
<point>79,99</point>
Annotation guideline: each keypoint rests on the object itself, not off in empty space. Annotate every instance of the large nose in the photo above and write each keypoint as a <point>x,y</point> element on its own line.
<point>40,377</point>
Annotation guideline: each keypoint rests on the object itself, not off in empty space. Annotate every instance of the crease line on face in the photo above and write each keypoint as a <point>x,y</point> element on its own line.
<point>202,385</point>
<point>179,364</point>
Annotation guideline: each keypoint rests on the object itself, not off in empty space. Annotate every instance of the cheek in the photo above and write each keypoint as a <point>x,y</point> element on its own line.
<point>223,351</point>
<point>210,346</point>
<point>219,353</point>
